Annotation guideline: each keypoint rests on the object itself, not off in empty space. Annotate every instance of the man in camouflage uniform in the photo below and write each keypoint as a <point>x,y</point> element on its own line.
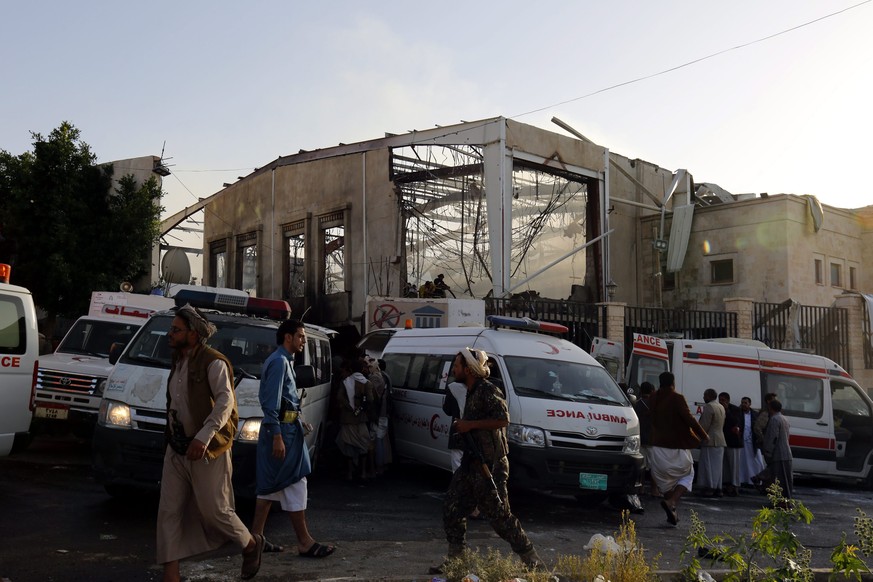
<point>484,419</point>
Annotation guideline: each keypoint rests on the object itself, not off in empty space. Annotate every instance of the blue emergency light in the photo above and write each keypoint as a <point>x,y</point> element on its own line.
<point>526,323</point>
<point>272,308</point>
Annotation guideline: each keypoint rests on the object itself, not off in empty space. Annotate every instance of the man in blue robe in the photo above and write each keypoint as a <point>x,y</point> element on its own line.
<point>283,458</point>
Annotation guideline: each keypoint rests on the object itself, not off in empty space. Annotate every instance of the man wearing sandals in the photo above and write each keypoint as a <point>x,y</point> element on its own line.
<point>674,432</point>
<point>196,512</point>
<point>283,457</point>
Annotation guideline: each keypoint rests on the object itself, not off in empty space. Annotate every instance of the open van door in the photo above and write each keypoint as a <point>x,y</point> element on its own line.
<point>649,358</point>
<point>610,355</point>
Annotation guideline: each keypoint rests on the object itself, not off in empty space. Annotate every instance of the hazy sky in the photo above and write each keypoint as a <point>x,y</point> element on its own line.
<point>230,86</point>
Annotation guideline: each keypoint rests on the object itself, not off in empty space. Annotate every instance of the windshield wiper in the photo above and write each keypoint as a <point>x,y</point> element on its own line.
<point>150,360</point>
<point>597,397</point>
<point>542,394</point>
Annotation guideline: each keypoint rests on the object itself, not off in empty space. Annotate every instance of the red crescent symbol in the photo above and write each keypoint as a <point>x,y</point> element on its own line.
<point>552,349</point>
<point>430,426</point>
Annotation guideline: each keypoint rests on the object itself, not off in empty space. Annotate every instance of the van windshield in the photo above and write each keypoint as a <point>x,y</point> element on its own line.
<point>94,337</point>
<point>246,346</point>
<point>561,380</point>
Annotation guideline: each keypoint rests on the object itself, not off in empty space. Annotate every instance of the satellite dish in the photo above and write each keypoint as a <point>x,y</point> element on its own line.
<point>127,286</point>
<point>175,267</point>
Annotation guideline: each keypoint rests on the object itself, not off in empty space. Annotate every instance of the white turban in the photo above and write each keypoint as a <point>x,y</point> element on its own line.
<point>196,321</point>
<point>477,361</point>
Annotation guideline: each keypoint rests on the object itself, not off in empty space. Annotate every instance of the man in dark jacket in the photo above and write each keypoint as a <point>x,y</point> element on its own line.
<point>674,432</point>
<point>733,436</point>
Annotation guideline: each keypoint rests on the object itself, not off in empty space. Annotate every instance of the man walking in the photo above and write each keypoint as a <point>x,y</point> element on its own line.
<point>711,449</point>
<point>481,479</point>
<point>283,457</point>
<point>196,511</point>
<point>674,432</point>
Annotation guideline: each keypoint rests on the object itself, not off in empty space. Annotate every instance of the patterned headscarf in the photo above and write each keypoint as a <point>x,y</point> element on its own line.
<point>477,362</point>
<point>196,321</point>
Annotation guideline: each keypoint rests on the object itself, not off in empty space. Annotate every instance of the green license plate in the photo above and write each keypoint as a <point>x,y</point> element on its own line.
<point>592,481</point>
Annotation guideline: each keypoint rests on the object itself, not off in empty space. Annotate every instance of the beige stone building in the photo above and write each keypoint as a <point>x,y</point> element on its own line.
<point>500,207</point>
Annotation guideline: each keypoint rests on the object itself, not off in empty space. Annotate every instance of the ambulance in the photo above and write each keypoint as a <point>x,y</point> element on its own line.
<point>128,445</point>
<point>19,347</point>
<point>572,429</point>
<point>831,416</point>
<point>70,382</point>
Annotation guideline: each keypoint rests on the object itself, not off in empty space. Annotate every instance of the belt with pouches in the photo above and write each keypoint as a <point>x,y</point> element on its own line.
<point>288,416</point>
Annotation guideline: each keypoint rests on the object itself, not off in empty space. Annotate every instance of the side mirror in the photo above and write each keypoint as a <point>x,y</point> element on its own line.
<point>115,351</point>
<point>305,376</point>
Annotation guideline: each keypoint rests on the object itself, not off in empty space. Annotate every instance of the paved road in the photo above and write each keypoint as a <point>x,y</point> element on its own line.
<point>58,524</point>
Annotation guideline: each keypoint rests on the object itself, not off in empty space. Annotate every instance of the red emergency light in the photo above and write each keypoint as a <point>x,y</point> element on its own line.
<point>526,323</point>
<point>272,308</point>
<point>5,272</point>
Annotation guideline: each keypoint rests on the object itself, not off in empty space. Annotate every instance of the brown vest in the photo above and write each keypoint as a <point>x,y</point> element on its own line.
<point>200,397</point>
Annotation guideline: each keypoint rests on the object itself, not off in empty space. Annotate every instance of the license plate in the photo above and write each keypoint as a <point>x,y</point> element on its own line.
<point>52,413</point>
<point>592,481</point>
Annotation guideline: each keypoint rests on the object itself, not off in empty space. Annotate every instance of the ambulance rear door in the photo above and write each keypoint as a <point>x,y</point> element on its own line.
<point>650,357</point>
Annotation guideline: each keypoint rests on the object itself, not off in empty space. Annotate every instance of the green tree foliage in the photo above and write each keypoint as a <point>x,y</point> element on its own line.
<point>63,229</point>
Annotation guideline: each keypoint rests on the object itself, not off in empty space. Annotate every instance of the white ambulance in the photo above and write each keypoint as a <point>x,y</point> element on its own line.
<point>70,382</point>
<point>831,416</point>
<point>128,446</point>
<point>19,346</point>
<point>572,429</point>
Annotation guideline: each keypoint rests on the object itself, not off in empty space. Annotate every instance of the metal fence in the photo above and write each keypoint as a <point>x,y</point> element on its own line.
<point>677,323</point>
<point>585,321</point>
<point>868,338</point>
<point>804,328</point>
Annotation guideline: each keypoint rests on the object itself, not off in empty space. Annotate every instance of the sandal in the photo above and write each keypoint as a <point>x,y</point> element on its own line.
<point>252,559</point>
<point>317,550</point>
<point>272,548</point>
<point>672,516</point>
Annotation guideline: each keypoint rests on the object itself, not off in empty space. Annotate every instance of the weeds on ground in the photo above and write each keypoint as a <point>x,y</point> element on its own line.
<point>491,567</point>
<point>771,551</point>
<point>628,564</point>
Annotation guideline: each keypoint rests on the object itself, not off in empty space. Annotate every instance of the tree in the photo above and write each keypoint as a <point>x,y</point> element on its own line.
<point>65,233</point>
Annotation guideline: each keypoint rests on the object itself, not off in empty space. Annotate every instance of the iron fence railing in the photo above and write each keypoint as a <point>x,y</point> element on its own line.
<point>585,321</point>
<point>677,323</point>
<point>868,338</point>
<point>806,328</point>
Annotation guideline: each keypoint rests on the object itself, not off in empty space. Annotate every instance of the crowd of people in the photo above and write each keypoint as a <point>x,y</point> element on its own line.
<point>738,446</point>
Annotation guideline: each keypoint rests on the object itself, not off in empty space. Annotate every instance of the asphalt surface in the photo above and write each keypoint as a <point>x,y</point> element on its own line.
<point>57,523</point>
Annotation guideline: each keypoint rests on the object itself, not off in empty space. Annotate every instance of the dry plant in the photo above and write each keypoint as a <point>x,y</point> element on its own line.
<point>492,567</point>
<point>628,564</point>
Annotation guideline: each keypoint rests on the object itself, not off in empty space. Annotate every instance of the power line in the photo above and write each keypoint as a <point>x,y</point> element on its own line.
<point>695,61</point>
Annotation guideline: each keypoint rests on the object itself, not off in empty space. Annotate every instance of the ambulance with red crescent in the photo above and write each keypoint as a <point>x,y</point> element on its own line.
<point>19,347</point>
<point>572,429</point>
<point>831,416</point>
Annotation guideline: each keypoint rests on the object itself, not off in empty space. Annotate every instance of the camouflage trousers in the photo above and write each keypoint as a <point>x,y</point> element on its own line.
<point>470,489</point>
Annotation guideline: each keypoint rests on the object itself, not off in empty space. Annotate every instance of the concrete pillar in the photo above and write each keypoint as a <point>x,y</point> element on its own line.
<point>744,308</point>
<point>614,321</point>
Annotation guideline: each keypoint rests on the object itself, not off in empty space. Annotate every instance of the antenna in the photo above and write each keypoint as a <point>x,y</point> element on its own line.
<point>162,168</point>
<point>305,312</point>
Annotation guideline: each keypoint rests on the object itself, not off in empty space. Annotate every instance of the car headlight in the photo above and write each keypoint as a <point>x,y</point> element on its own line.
<point>114,414</point>
<point>526,435</point>
<point>631,445</point>
<point>249,430</point>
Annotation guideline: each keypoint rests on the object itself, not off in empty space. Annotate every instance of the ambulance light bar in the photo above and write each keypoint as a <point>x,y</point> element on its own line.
<point>272,308</point>
<point>526,323</point>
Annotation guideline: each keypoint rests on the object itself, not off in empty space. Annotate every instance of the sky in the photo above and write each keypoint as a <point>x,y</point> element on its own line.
<point>754,96</point>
